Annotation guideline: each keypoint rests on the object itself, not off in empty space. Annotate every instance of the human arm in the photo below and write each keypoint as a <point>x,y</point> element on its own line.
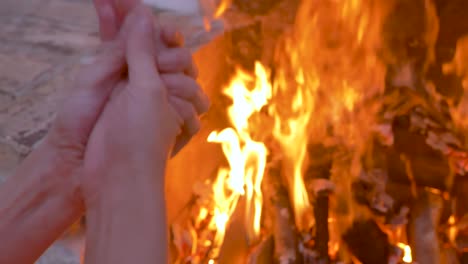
<point>129,148</point>
<point>36,205</point>
<point>44,196</point>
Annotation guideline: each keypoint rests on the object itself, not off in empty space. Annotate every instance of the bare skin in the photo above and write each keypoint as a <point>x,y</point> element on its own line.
<point>126,216</point>
<point>89,161</point>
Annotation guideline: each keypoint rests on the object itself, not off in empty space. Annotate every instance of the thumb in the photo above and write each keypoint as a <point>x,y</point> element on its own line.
<point>142,70</point>
<point>108,19</point>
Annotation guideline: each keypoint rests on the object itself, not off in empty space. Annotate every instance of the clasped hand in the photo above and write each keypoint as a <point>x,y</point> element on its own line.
<point>132,106</point>
<point>136,101</point>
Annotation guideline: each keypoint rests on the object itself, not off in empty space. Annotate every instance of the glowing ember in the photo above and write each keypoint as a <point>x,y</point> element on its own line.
<point>406,253</point>
<point>452,230</point>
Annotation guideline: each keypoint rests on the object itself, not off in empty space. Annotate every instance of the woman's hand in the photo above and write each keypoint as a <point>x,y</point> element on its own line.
<point>53,176</point>
<point>111,14</point>
<point>126,157</point>
<point>143,119</point>
<point>175,63</point>
<point>44,196</point>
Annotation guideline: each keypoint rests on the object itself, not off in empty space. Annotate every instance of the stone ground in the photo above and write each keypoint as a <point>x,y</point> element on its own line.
<point>40,41</point>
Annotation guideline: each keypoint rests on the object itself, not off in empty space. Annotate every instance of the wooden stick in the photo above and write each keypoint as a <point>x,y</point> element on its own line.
<point>263,252</point>
<point>319,187</point>
<point>284,230</point>
<point>367,242</point>
<point>422,228</point>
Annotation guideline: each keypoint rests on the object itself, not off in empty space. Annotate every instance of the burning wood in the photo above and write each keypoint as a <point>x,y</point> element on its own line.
<point>422,228</point>
<point>367,242</point>
<point>284,230</point>
<point>319,186</point>
<point>262,253</point>
<point>361,135</point>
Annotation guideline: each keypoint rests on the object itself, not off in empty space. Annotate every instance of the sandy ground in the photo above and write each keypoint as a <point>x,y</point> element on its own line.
<point>39,42</point>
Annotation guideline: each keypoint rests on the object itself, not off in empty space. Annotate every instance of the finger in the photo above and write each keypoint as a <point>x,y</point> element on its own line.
<point>189,115</point>
<point>188,89</point>
<point>177,60</point>
<point>142,72</point>
<point>108,20</point>
<point>92,88</point>
<point>172,37</point>
<point>107,64</point>
<point>124,7</point>
<point>181,142</point>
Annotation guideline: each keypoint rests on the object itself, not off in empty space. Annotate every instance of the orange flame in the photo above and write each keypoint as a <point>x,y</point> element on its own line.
<point>327,78</point>
<point>246,157</point>
<point>329,75</point>
<point>459,67</point>
<point>222,7</point>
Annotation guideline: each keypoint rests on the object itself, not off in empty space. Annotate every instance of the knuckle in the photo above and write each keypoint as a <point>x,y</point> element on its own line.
<point>152,89</point>
<point>192,87</point>
<point>183,57</point>
<point>194,70</point>
<point>188,111</point>
<point>172,82</point>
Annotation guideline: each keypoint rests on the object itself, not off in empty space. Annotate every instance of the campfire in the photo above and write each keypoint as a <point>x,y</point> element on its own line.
<point>344,139</point>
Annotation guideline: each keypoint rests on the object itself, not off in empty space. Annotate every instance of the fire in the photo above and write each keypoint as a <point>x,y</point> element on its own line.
<point>459,67</point>
<point>452,230</point>
<point>406,253</point>
<point>327,89</point>
<point>291,133</point>
<point>222,7</point>
<point>246,157</point>
<point>328,78</point>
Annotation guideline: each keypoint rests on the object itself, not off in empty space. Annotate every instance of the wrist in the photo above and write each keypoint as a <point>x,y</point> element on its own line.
<point>129,216</point>
<point>58,170</point>
<point>115,183</point>
<point>37,204</point>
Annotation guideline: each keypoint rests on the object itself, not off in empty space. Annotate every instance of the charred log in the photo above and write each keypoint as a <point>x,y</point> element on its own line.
<point>461,215</point>
<point>464,258</point>
<point>263,252</point>
<point>321,219</point>
<point>367,242</point>
<point>284,230</point>
<point>410,34</point>
<point>235,246</point>
<point>319,188</point>
<point>460,194</point>
<point>256,7</point>
<point>453,25</point>
<point>427,166</point>
<point>247,46</point>
<point>449,255</point>
<point>422,228</point>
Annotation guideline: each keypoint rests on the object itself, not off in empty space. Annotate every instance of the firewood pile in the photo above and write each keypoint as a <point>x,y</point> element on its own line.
<point>407,203</point>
